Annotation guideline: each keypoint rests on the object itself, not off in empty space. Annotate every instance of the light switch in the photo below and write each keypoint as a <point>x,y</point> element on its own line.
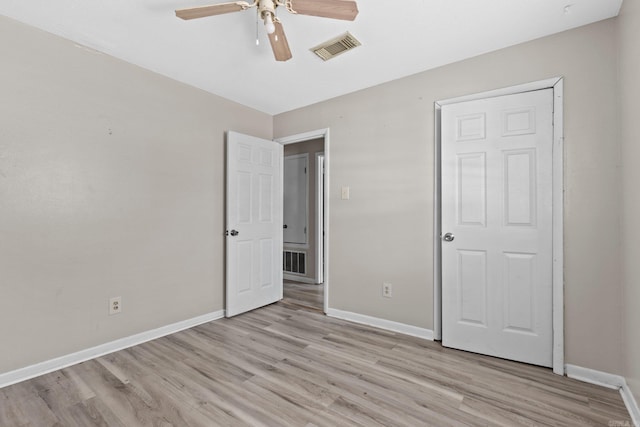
<point>345,193</point>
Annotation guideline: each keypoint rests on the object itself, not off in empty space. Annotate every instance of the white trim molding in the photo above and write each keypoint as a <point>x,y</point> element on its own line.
<point>437,227</point>
<point>592,376</point>
<point>319,211</point>
<point>558,226</point>
<point>525,87</point>
<point>377,322</point>
<point>631,403</point>
<point>557,84</point>
<point>28,372</point>
<point>296,278</point>
<point>604,379</point>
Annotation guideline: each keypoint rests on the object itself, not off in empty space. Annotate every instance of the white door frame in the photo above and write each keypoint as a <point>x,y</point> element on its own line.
<point>306,136</point>
<point>557,84</point>
<point>319,158</point>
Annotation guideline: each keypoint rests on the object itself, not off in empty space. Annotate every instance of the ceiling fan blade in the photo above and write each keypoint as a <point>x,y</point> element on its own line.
<point>279,43</point>
<point>215,9</point>
<point>337,9</point>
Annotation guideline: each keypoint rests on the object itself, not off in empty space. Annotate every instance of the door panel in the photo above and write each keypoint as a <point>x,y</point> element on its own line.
<point>254,223</point>
<point>496,201</point>
<point>520,187</point>
<point>472,202</point>
<point>519,280</point>
<point>267,263</point>
<point>472,287</point>
<point>265,205</point>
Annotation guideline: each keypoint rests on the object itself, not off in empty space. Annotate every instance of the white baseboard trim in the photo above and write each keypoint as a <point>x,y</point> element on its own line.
<point>631,403</point>
<point>61,362</point>
<point>302,279</point>
<point>604,379</point>
<point>381,323</point>
<point>592,376</point>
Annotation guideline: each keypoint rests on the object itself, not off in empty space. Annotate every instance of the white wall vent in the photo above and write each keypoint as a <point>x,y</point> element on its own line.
<point>294,262</point>
<point>336,46</point>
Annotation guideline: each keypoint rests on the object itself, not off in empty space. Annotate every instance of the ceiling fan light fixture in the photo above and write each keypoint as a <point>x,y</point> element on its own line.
<point>266,10</point>
<point>268,23</point>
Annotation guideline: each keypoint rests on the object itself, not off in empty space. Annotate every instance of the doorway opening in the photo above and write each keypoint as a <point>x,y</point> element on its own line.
<point>305,213</point>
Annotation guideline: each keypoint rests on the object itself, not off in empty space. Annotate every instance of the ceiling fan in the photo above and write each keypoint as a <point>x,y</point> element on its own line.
<point>336,9</point>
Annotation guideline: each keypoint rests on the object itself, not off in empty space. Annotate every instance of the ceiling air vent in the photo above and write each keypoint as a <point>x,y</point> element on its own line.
<point>335,47</point>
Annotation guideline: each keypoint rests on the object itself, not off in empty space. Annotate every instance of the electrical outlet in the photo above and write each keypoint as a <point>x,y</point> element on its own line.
<point>115,305</point>
<point>387,290</point>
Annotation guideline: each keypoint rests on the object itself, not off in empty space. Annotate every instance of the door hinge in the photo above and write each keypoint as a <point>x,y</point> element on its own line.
<point>305,170</point>
<point>305,230</point>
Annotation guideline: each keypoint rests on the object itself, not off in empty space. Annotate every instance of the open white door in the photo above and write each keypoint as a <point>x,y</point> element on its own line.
<point>496,169</point>
<point>254,223</point>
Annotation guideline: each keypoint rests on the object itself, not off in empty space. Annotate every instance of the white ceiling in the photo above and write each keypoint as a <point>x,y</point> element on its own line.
<point>219,53</point>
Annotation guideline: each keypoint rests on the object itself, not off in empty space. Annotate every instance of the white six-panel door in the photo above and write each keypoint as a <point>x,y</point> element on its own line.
<point>496,170</point>
<point>254,223</point>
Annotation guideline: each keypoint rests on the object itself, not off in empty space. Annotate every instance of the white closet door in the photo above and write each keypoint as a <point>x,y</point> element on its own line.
<point>497,226</point>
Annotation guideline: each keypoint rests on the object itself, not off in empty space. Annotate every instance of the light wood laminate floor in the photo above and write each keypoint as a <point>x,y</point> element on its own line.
<point>284,366</point>
<point>304,295</point>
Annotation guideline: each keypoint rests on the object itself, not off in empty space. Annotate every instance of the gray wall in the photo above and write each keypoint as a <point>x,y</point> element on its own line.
<point>382,147</point>
<point>111,183</point>
<point>311,147</point>
<point>629,32</point>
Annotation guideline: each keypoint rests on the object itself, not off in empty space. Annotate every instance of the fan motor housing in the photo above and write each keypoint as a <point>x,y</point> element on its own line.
<point>266,6</point>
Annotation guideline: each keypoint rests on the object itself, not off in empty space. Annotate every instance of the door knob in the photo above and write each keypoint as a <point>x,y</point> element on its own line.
<point>448,237</point>
<point>234,232</point>
<point>285,226</point>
